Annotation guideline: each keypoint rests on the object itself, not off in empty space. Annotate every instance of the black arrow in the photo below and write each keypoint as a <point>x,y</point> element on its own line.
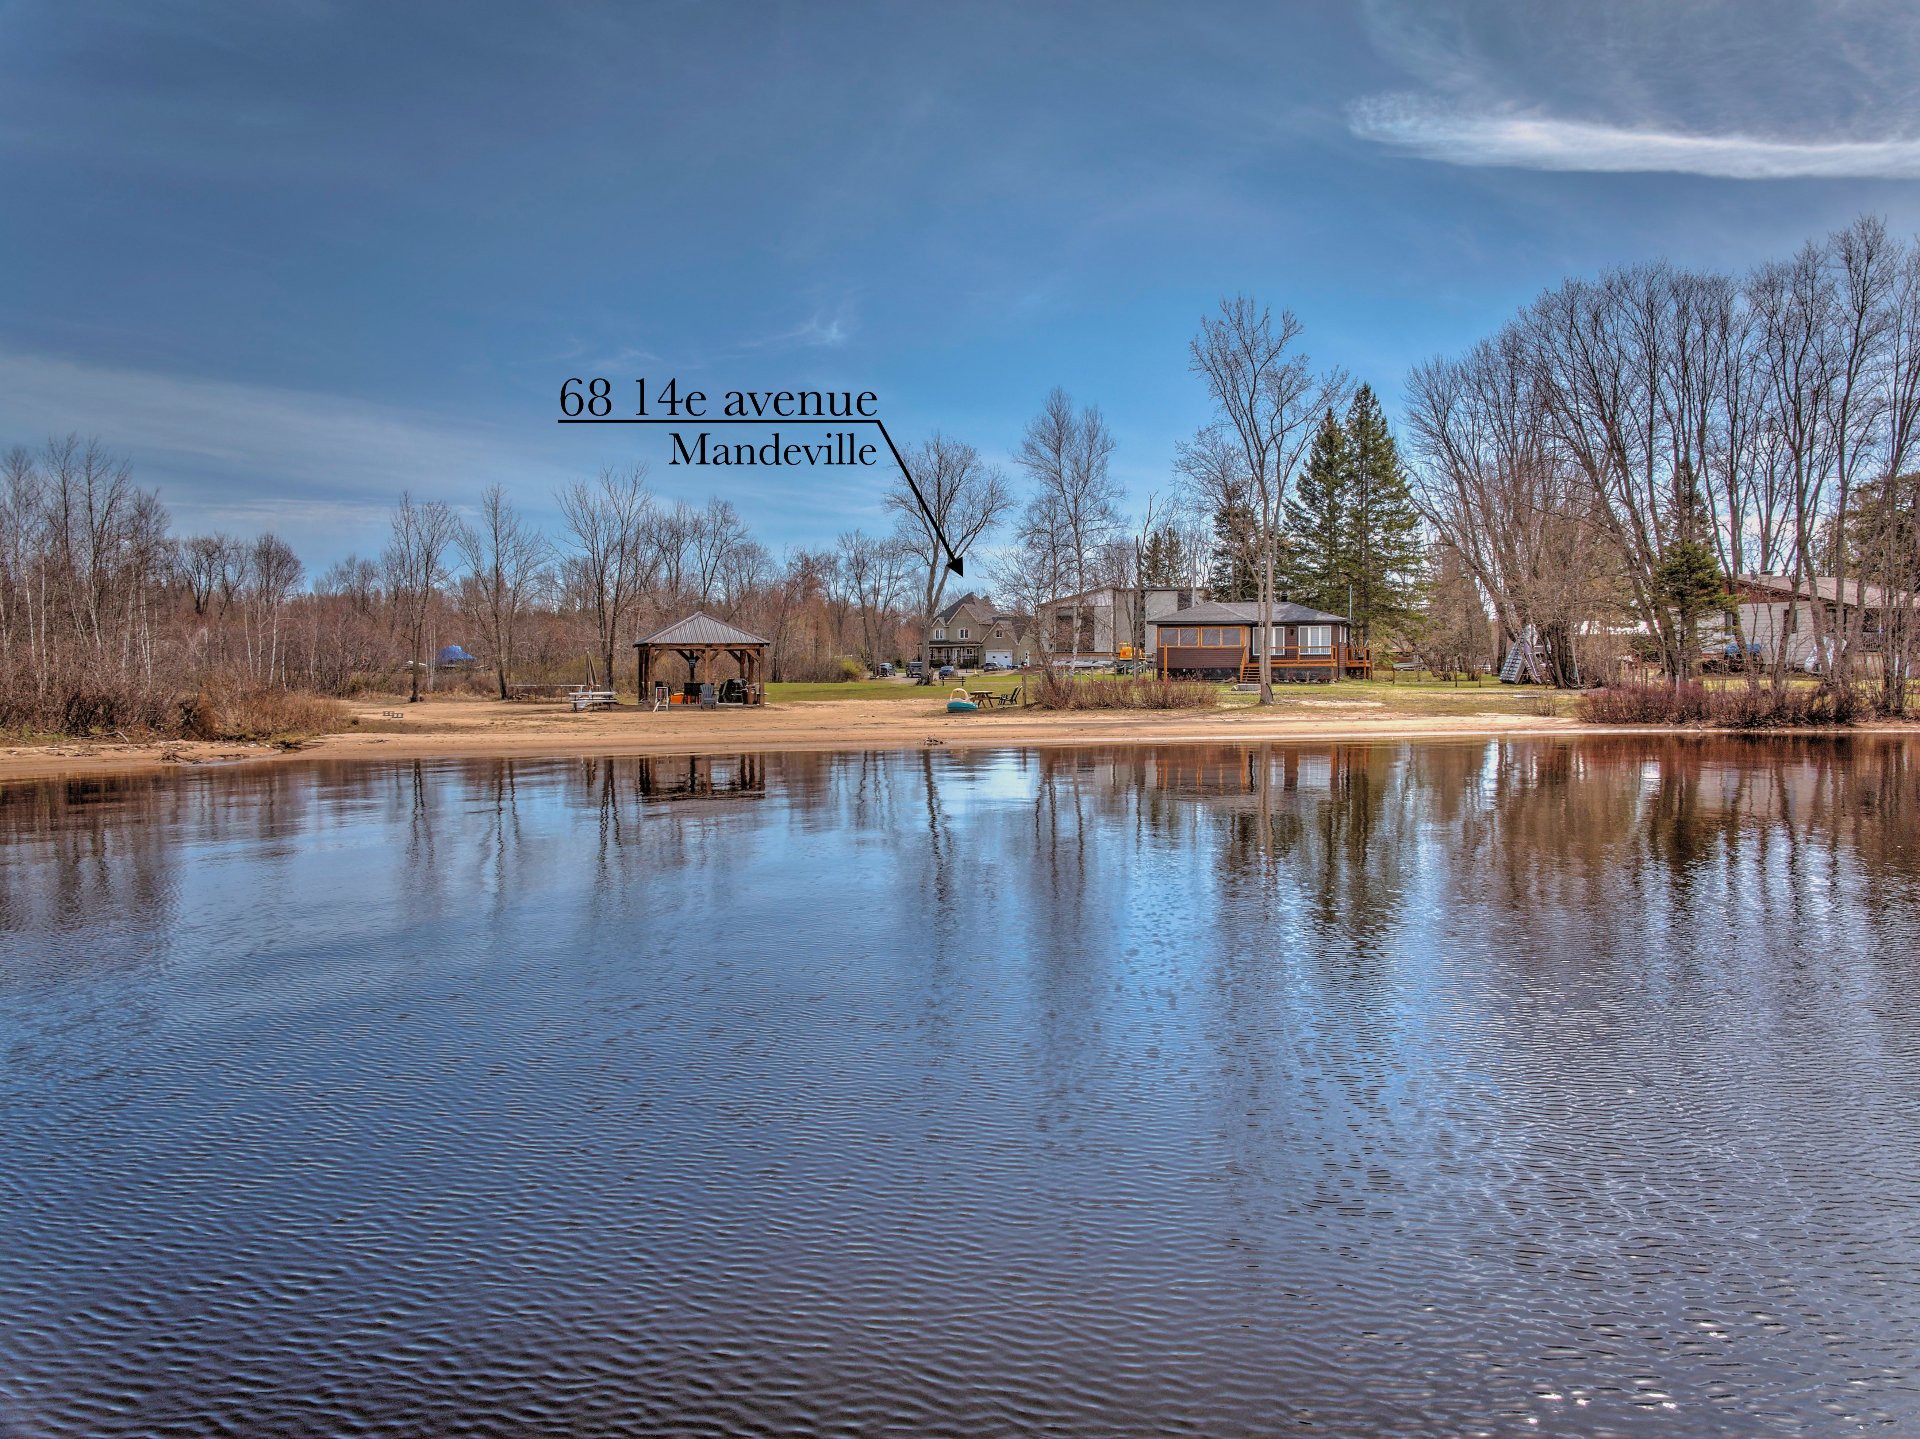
<point>954,562</point>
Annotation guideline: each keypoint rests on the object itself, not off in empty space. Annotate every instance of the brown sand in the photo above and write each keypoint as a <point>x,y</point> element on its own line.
<point>454,728</point>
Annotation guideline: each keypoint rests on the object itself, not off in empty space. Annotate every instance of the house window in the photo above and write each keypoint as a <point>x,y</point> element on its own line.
<point>963,634</point>
<point>999,634</point>
<point>1316,639</point>
<point>1189,637</point>
<point>939,634</point>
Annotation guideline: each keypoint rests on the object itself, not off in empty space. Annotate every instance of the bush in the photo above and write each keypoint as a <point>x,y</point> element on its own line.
<point>223,712</point>
<point>1732,707</point>
<point>1058,691</point>
<point>850,668</point>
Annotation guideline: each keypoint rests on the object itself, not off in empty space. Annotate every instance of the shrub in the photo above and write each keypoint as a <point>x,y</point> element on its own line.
<point>222,712</point>
<point>850,668</point>
<point>1051,690</point>
<point>1732,707</point>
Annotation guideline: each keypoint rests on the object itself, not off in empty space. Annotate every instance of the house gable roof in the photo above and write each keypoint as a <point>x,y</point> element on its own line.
<point>968,600</point>
<point>1826,587</point>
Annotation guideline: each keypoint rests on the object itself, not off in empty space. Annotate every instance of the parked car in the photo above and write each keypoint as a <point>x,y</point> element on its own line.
<point>884,670</point>
<point>989,667</point>
<point>1731,660</point>
<point>946,673</point>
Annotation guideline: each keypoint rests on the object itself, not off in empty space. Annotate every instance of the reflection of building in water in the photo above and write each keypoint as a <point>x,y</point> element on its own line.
<point>701,776</point>
<point>1222,771</point>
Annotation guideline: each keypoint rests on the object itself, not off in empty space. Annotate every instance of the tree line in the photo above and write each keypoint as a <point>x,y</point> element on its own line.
<point>109,621</point>
<point>1619,452</point>
<point>1596,473</point>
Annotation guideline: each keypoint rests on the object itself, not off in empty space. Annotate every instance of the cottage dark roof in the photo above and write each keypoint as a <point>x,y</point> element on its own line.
<point>700,628</point>
<point>1284,613</point>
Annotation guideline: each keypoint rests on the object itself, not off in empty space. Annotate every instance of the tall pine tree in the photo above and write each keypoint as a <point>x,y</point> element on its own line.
<point>1235,574</point>
<point>1688,579</point>
<point>1386,553</point>
<point>1318,553</point>
<point>1163,557</point>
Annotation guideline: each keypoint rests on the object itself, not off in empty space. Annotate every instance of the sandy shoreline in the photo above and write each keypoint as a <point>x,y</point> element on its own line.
<point>479,729</point>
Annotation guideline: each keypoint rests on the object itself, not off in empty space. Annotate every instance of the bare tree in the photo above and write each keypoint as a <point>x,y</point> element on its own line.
<point>1266,397</point>
<point>1214,477</point>
<point>1074,510</point>
<point>965,499</point>
<point>506,559</point>
<point>874,570</point>
<point>415,569</point>
<point>606,522</point>
<point>209,564</point>
<point>1507,505</point>
<point>273,571</point>
<point>716,536</point>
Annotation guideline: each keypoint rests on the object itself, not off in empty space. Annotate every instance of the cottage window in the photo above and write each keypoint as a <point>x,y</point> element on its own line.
<point>1189,637</point>
<point>1316,639</point>
<point>939,634</point>
<point>963,634</point>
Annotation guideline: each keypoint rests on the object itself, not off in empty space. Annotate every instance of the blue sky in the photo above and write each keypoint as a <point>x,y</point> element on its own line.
<point>293,258</point>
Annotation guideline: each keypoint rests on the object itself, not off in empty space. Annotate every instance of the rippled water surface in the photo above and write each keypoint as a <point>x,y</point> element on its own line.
<point>1565,1088</point>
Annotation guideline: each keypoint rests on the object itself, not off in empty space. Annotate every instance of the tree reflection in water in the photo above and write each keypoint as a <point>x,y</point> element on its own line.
<point>1415,1088</point>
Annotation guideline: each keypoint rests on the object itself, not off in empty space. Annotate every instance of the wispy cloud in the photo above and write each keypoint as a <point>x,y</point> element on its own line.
<point>257,456</point>
<point>822,331</point>
<point>1539,141</point>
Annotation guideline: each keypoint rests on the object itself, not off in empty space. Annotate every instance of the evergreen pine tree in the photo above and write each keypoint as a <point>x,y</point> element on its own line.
<point>1385,554</point>
<point>1317,557</point>
<point>1235,574</point>
<point>1688,580</point>
<point>1163,557</point>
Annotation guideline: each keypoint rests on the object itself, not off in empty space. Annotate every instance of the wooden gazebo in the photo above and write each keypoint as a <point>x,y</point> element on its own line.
<point>700,640</point>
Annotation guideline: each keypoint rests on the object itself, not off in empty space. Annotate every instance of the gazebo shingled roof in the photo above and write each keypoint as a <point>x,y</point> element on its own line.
<point>700,628</point>
<point>699,639</point>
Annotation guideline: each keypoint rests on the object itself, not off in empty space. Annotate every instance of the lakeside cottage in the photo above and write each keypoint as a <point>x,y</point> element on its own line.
<point>1221,641</point>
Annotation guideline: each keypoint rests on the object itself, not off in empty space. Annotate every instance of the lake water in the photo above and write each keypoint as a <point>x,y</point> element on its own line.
<point>1513,1088</point>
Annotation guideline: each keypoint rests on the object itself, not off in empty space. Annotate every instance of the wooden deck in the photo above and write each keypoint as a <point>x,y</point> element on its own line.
<point>1352,660</point>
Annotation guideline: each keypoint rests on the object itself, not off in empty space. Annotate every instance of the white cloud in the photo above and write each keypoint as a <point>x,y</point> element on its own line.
<point>1536,141</point>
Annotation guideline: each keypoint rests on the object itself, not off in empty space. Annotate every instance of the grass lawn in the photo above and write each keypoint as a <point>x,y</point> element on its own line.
<point>1405,696</point>
<point>1423,696</point>
<point>884,689</point>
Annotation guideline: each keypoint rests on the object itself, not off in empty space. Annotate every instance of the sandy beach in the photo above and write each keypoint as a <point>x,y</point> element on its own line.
<point>452,728</point>
<point>388,728</point>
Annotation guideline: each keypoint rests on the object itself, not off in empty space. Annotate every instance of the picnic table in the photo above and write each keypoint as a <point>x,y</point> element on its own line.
<point>988,699</point>
<point>583,698</point>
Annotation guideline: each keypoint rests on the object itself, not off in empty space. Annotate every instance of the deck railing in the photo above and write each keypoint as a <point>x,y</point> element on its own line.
<point>1348,659</point>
